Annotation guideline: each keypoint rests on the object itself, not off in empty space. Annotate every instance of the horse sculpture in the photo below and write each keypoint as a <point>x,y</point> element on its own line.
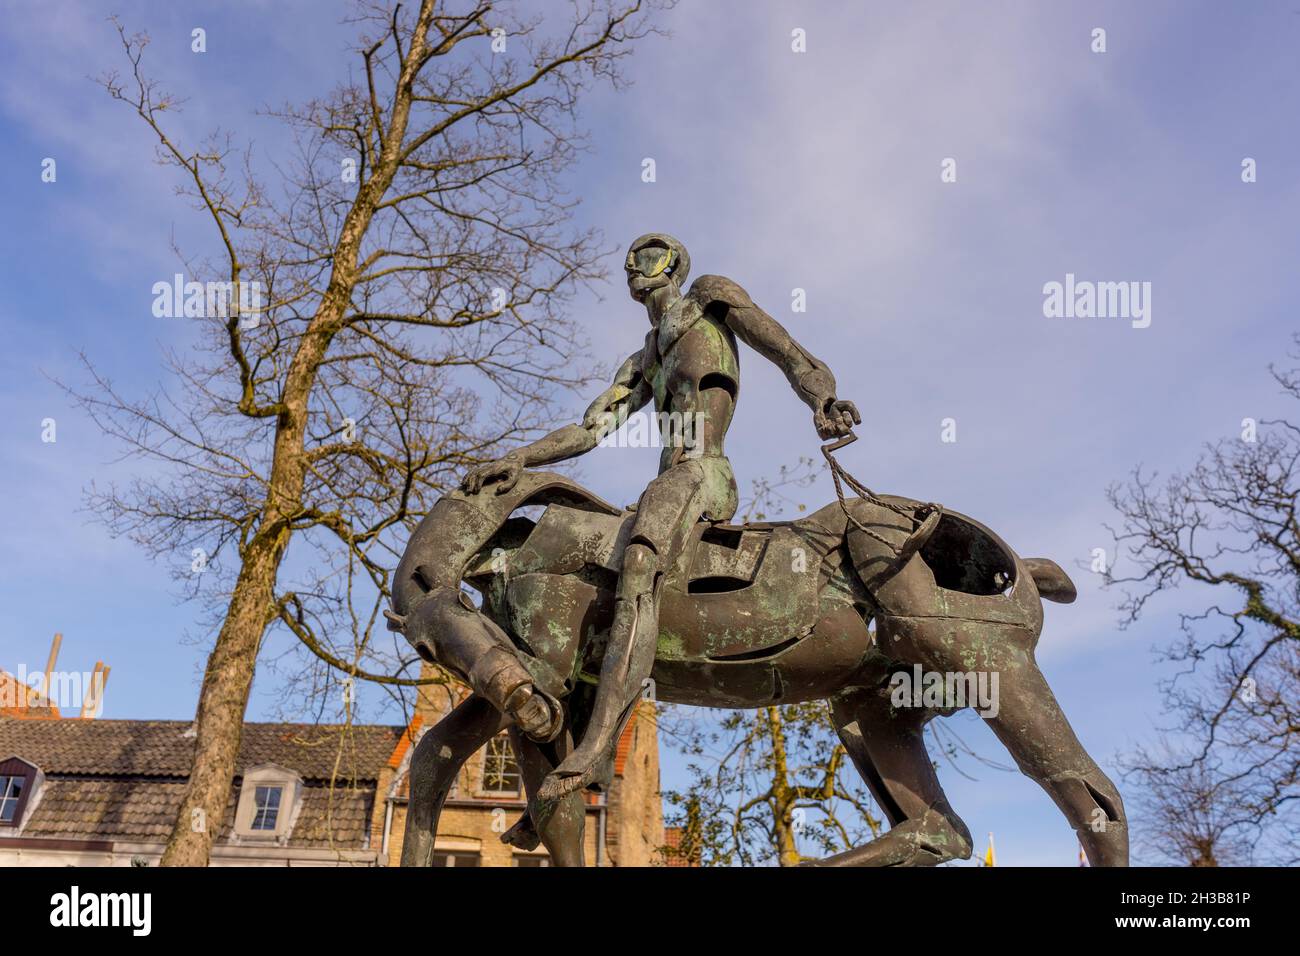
<point>752,615</point>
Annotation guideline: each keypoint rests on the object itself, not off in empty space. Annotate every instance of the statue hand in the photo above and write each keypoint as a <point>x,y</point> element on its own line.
<point>505,471</point>
<point>836,419</point>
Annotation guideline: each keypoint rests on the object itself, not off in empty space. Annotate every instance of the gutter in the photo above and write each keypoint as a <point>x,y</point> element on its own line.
<point>124,850</point>
<point>600,833</point>
<point>388,829</point>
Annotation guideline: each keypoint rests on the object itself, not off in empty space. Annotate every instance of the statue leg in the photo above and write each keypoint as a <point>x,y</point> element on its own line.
<point>629,658</point>
<point>560,826</point>
<point>437,759</point>
<point>887,745</point>
<point>1033,728</point>
<point>666,513</point>
<point>447,627</point>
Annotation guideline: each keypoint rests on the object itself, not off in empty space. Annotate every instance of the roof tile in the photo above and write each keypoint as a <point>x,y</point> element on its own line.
<point>161,748</point>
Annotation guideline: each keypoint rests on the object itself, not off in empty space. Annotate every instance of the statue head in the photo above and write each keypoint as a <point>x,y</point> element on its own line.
<point>653,261</point>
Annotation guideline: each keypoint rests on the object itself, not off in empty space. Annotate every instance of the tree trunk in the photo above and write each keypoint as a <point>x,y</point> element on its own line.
<point>229,675</point>
<point>783,796</point>
<point>228,679</point>
<point>222,702</point>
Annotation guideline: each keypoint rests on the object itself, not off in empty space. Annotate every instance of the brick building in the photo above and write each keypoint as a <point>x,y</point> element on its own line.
<point>624,826</point>
<point>106,792</point>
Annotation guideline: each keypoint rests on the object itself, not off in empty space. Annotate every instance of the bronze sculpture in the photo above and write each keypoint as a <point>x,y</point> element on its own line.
<point>689,367</point>
<point>582,605</point>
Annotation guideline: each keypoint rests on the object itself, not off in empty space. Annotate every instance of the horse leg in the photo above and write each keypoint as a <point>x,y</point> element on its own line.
<point>887,746</point>
<point>438,757</point>
<point>1027,719</point>
<point>560,826</point>
<point>1031,725</point>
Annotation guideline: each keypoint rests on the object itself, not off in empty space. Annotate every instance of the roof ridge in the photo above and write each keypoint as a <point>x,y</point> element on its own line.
<point>111,721</point>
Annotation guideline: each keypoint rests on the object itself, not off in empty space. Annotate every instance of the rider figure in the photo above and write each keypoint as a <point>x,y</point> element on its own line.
<point>690,367</point>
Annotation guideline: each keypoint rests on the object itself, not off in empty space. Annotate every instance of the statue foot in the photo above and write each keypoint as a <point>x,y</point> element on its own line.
<point>927,841</point>
<point>523,835</point>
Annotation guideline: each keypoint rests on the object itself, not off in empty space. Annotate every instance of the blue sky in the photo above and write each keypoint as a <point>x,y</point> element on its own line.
<point>818,171</point>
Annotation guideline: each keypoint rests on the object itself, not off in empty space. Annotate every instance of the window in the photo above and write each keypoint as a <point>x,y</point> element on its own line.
<point>266,807</point>
<point>500,772</point>
<point>270,797</point>
<point>532,861</point>
<point>455,858</point>
<point>20,783</point>
<point>11,794</point>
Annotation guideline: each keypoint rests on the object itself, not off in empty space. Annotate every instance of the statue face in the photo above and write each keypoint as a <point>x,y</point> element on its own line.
<point>651,264</point>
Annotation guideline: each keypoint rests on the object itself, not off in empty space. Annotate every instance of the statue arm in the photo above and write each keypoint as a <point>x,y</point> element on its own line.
<point>810,377</point>
<point>629,392</point>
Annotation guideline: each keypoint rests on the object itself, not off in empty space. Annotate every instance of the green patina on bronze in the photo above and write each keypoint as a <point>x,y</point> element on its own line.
<point>847,604</point>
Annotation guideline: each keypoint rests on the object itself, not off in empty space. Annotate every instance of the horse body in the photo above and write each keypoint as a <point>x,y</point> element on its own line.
<point>753,615</point>
<point>750,616</point>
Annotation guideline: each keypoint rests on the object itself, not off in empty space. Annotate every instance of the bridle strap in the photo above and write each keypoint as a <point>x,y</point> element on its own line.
<point>924,519</point>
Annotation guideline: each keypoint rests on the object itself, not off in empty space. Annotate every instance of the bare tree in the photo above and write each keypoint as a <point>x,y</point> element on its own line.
<point>762,784</point>
<point>1228,778</point>
<point>1190,813</point>
<point>415,255</point>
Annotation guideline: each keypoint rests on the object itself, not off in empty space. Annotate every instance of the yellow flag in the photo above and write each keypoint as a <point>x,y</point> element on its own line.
<point>989,858</point>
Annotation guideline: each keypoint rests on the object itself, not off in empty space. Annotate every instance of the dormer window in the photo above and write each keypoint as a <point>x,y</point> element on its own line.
<point>18,781</point>
<point>268,800</point>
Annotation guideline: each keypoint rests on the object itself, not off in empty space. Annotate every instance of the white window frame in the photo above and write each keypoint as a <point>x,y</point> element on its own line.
<point>459,845</point>
<point>483,788</point>
<point>6,797</point>
<point>268,775</point>
<point>533,859</point>
<point>33,781</point>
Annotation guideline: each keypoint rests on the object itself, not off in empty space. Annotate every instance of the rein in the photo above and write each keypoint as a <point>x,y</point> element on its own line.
<point>924,518</point>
